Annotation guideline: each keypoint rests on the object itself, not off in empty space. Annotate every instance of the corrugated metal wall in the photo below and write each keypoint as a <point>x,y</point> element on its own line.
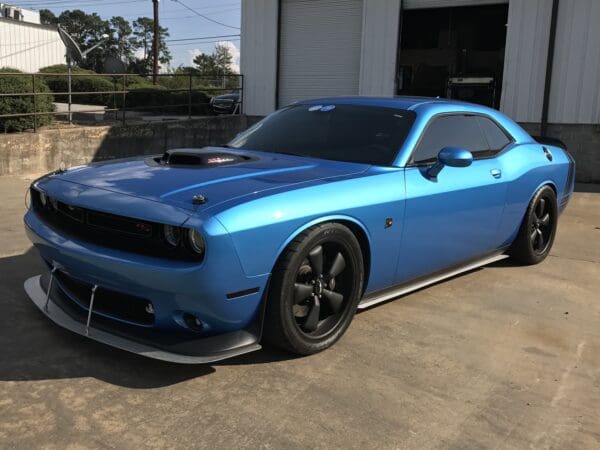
<point>379,48</point>
<point>319,52</point>
<point>258,60</point>
<point>525,59</point>
<point>575,93</point>
<point>29,47</point>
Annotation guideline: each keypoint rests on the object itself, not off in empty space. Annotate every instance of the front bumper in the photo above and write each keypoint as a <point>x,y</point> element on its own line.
<point>231,324</point>
<point>54,305</point>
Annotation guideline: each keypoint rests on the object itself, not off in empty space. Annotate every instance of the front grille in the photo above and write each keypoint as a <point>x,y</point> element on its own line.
<point>108,230</point>
<point>107,302</point>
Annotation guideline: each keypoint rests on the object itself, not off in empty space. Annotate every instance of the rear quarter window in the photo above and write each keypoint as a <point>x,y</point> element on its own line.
<point>496,137</point>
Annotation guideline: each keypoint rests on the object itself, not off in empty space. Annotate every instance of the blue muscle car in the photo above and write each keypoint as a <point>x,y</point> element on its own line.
<point>321,208</point>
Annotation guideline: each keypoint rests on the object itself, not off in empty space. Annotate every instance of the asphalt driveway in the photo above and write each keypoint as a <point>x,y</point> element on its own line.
<point>503,357</point>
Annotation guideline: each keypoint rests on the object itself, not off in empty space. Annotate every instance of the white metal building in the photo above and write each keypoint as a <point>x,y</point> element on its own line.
<point>536,60</point>
<point>28,46</point>
<point>18,13</point>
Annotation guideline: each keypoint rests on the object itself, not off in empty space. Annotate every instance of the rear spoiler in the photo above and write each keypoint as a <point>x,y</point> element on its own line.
<point>545,140</point>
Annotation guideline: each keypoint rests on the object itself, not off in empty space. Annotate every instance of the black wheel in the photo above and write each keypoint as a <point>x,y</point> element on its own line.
<point>315,288</point>
<point>536,235</point>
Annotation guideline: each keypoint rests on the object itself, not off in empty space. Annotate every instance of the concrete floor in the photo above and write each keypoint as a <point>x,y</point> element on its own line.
<point>504,357</point>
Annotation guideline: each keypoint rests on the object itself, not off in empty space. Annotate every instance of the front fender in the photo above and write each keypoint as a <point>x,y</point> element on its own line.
<point>262,228</point>
<point>320,220</point>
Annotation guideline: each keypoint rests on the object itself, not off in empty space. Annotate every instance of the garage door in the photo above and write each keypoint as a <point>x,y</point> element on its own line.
<point>418,4</point>
<point>319,49</point>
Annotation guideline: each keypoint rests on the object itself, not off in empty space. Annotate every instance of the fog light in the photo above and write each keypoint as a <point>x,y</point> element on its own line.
<point>193,322</point>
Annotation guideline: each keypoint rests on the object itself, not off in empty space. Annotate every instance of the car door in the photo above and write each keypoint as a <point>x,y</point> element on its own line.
<point>454,217</point>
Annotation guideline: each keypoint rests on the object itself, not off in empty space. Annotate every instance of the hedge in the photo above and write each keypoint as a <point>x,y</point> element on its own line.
<point>159,100</point>
<point>79,83</point>
<point>23,104</point>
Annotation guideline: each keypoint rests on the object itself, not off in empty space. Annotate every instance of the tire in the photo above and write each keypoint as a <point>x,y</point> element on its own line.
<point>538,229</point>
<point>308,311</point>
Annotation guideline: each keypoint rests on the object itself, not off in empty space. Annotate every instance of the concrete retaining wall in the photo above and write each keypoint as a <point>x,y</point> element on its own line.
<point>34,153</point>
<point>583,142</point>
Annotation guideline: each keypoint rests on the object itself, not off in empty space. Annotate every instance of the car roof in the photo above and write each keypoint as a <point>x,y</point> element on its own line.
<point>399,102</point>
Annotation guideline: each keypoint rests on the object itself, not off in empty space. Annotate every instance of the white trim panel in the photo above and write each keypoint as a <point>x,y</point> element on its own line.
<point>259,55</point>
<point>575,93</point>
<point>379,49</point>
<point>525,59</point>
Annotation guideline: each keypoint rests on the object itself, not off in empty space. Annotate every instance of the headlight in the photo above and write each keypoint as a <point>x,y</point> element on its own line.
<point>53,203</point>
<point>196,241</point>
<point>43,198</point>
<point>172,235</point>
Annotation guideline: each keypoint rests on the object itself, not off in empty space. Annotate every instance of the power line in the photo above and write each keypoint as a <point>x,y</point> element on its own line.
<point>203,37</point>
<point>71,4</point>
<point>205,17</point>
<point>203,42</point>
<point>194,16</point>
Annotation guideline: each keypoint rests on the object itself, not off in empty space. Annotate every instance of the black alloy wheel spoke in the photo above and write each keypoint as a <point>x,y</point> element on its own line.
<point>316,285</point>
<point>302,292</point>
<point>312,320</point>
<point>540,239</point>
<point>334,299</point>
<point>533,237</point>
<point>541,206</point>
<point>315,257</point>
<point>541,226</point>
<point>338,266</point>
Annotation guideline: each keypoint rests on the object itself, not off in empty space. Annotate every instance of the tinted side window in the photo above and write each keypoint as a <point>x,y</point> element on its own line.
<point>496,138</point>
<point>450,131</point>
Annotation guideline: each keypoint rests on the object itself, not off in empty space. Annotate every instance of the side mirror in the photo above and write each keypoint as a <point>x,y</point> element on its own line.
<point>452,157</point>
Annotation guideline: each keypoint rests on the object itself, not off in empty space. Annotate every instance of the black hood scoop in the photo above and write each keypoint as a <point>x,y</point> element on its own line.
<point>200,158</point>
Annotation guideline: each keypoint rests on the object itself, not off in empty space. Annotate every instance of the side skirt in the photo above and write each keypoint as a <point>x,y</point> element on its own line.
<point>397,291</point>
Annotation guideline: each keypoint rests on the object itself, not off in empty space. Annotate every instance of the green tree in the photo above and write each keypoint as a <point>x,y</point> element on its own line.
<point>217,63</point>
<point>205,64</point>
<point>223,59</point>
<point>143,38</point>
<point>47,17</point>
<point>125,44</point>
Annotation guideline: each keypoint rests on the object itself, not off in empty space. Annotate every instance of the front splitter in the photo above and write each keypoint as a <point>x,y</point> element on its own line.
<point>53,311</point>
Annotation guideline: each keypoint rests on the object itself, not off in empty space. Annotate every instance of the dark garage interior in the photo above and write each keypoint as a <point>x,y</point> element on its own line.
<point>453,52</point>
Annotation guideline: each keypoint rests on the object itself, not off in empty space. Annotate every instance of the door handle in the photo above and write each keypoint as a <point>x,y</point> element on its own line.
<point>496,173</point>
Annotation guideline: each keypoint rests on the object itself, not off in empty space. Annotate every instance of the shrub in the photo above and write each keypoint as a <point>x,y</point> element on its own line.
<point>79,83</point>
<point>159,100</point>
<point>23,104</point>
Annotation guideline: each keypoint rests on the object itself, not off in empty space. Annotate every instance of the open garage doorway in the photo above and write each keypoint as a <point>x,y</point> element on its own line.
<point>453,52</point>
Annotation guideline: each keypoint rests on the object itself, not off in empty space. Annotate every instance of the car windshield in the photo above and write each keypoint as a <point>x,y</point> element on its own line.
<point>351,133</point>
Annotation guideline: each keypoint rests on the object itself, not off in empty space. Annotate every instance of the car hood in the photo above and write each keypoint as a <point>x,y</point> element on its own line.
<point>177,185</point>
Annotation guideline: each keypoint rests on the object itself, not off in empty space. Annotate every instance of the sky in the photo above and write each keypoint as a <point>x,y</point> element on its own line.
<point>181,21</point>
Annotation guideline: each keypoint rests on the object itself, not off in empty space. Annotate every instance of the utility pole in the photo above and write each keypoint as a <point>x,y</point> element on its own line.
<point>156,44</point>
